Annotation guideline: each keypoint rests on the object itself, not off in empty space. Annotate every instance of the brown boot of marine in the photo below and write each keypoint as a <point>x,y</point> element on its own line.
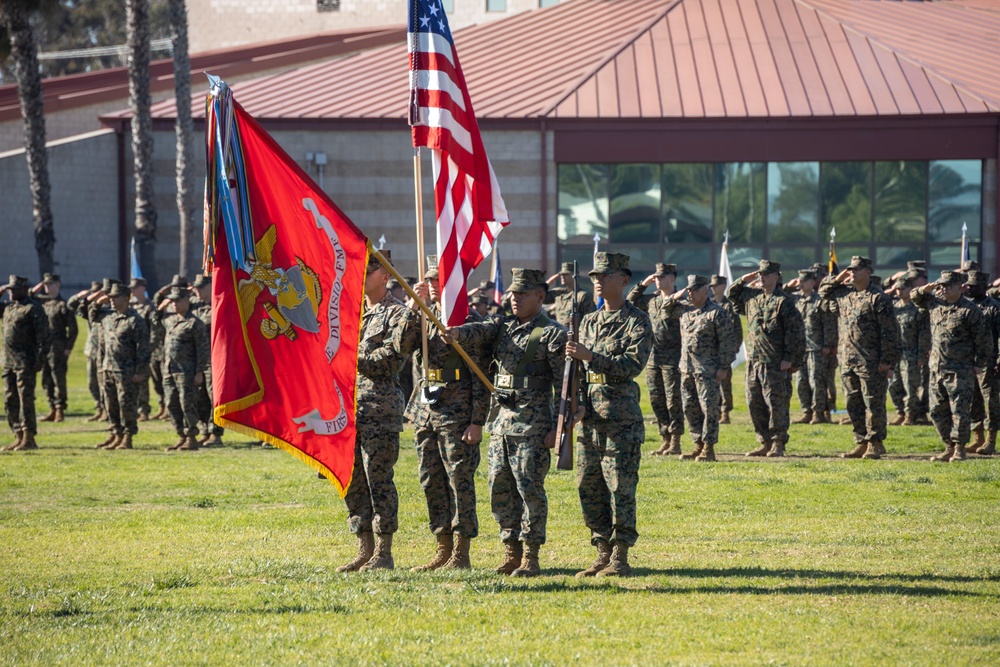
<point>806,417</point>
<point>618,565</point>
<point>760,451</point>
<point>17,441</point>
<point>664,446</point>
<point>529,563</point>
<point>366,547</point>
<point>958,454</point>
<point>820,418</point>
<point>675,445</point>
<point>460,556</point>
<point>777,450</point>
<point>124,443</point>
<point>978,441</point>
<point>177,445</point>
<point>97,416</point>
<point>695,453</point>
<point>111,440</point>
<point>856,453</point>
<point>707,453</point>
<point>51,417</point>
<point>27,442</point>
<point>990,447</point>
<point>160,413</point>
<point>445,545</point>
<point>382,558</point>
<point>513,551</point>
<point>601,562</point>
<point>190,444</point>
<point>899,420</point>
<point>945,456</point>
<point>724,417</point>
<point>60,415</point>
<point>874,452</point>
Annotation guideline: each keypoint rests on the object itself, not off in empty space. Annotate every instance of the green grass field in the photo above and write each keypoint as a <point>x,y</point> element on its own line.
<point>227,556</point>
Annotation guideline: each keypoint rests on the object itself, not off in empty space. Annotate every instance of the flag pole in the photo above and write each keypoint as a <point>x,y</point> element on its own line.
<point>420,258</point>
<point>429,314</point>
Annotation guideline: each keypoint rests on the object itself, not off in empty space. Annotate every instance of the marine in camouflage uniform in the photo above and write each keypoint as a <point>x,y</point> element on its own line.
<point>63,329</point>
<point>186,356</point>
<point>97,310</point>
<point>718,285</point>
<point>142,305</point>
<point>614,344</point>
<point>986,399</point>
<point>448,411</point>
<point>663,374</point>
<point>125,364</point>
<point>201,305</point>
<point>821,341</point>
<point>77,304</point>
<point>869,348</point>
<point>775,349</point>
<point>528,351</point>
<point>962,349</point>
<point>914,347</point>
<point>25,344</point>
<point>389,333</point>
<point>708,348</point>
<point>561,298</point>
<point>919,278</point>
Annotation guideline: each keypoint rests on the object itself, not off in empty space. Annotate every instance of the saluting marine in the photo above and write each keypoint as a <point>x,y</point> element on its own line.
<point>63,330</point>
<point>25,344</point>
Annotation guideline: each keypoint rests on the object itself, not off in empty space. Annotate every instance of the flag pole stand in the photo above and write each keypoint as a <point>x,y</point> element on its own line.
<point>419,198</point>
<point>429,314</point>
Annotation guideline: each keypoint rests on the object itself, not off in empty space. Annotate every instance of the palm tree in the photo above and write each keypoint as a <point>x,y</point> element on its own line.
<point>16,30</point>
<point>184,128</point>
<point>137,20</point>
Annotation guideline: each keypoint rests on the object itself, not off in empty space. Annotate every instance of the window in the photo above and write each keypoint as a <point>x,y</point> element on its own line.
<point>739,201</point>
<point>449,6</point>
<point>547,3</point>
<point>635,203</point>
<point>583,202</point>
<point>955,198</point>
<point>687,203</point>
<point>328,5</point>
<point>792,201</point>
<point>846,201</point>
<point>900,201</point>
<point>496,5</point>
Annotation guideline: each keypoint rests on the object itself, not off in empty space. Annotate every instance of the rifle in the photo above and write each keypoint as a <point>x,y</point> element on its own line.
<point>568,396</point>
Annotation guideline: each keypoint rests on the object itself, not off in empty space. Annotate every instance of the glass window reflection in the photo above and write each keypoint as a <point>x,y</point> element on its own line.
<point>793,259</point>
<point>635,203</point>
<point>955,197</point>
<point>687,203</point>
<point>583,202</point>
<point>900,201</point>
<point>846,201</point>
<point>740,202</point>
<point>792,201</point>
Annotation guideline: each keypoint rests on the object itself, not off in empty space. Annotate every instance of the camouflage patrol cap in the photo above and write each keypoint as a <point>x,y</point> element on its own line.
<point>201,280</point>
<point>971,265</point>
<point>695,281</point>
<point>523,280</point>
<point>136,282</point>
<point>480,297</point>
<point>118,289</point>
<point>485,284</point>
<point>859,262</point>
<point>431,268</point>
<point>16,282</point>
<point>766,266</point>
<point>717,280</point>
<point>108,284</point>
<point>95,285</point>
<point>949,278</point>
<point>806,274</point>
<point>903,282</point>
<point>179,281</point>
<point>567,267</point>
<point>50,278</point>
<point>819,268</point>
<point>917,264</point>
<point>978,278</point>
<point>876,280</point>
<point>665,270</point>
<point>177,293</point>
<point>609,262</point>
<point>374,264</point>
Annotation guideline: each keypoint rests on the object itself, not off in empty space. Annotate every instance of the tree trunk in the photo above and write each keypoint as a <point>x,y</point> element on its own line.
<point>184,129</point>
<point>137,16</point>
<point>24,53</point>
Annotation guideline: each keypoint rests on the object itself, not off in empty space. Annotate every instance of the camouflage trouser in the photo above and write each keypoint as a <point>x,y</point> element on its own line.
<point>864,393</point>
<point>19,400</point>
<point>206,413</point>
<point>54,379</point>
<point>181,399</point>
<point>831,382</point>
<point>156,375</point>
<point>372,501</point>
<point>447,468</point>
<point>727,392</point>
<point>701,406</point>
<point>904,388</point>
<point>986,401</point>
<point>121,397</point>
<point>102,383</point>
<point>951,404</point>
<point>93,384</point>
<point>925,390</point>
<point>607,474</point>
<point>518,466</point>
<point>769,394</point>
<point>811,382</point>
<point>664,384</point>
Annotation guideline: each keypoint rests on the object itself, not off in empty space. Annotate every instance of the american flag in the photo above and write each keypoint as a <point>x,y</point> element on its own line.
<point>469,208</point>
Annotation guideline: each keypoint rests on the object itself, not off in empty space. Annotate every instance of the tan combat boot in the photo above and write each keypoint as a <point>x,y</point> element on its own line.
<point>958,454</point>
<point>946,455</point>
<point>874,452</point>
<point>990,447</point>
<point>846,419</point>
<point>601,562</point>
<point>460,556</point>
<point>366,547</point>
<point>806,417</point>
<point>214,440</point>
<point>160,413</point>
<point>111,440</point>
<point>60,415</point>
<point>51,417</point>
<point>978,441</point>
<point>762,450</point>
<point>17,441</point>
<point>909,421</point>
<point>899,420</point>
<point>177,445</point>
<point>707,453</point>
<point>143,416</point>
<point>27,442</point>
<point>821,417</point>
<point>97,416</point>
<point>382,558</point>
<point>618,566</point>
<point>202,439</point>
<point>124,443</point>
<point>856,453</point>
<point>190,445</point>
<point>445,545</point>
<point>724,417</point>
<point>777,450</point>
<point>529,563</point>
<point>695,453</point>
<point>675,445</point>
<point>513,551</point>
<point>664,446</point>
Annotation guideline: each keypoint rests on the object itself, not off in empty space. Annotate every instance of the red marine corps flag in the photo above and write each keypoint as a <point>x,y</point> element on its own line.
<point>289,271</point>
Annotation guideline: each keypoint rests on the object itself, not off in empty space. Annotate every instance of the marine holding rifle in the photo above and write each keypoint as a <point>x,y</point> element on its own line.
<point>614,345</point>
<point>448,410</point>
<point>528,350</point>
